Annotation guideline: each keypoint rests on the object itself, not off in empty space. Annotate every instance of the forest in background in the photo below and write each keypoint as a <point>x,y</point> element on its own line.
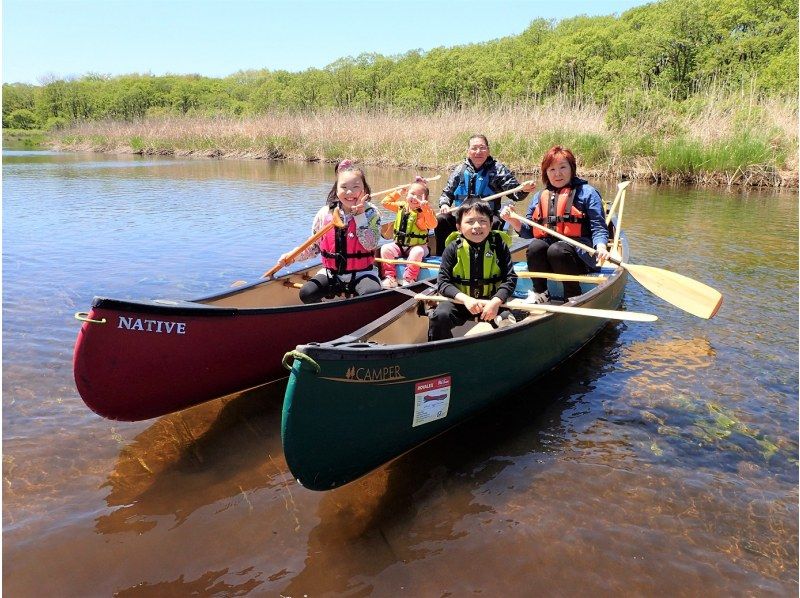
<point>653,70</point>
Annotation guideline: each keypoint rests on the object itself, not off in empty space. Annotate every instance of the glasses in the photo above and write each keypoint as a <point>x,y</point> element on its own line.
<point>478,148</point>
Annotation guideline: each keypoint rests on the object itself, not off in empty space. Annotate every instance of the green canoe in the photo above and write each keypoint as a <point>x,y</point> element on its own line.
<point>359,401</point>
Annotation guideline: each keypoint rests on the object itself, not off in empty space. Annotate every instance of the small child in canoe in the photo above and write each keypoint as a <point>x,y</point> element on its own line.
<point>347,252</point>
<point>476,273</point>
<point>414,219</point>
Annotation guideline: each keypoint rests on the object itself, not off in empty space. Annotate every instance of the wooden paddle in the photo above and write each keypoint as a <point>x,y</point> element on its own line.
<point>686,293</point>
<point>620,188</point>
<point>496,195</point>
<point>336,221</point>
<point>548,275</point>
<point>387,227</point>
<point>606,314</point>
<point>618,226</point>
<point>427,179</point>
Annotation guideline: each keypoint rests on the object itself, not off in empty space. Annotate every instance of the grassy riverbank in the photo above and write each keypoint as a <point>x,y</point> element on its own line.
<point>719,140</point>
<point>24,138</point>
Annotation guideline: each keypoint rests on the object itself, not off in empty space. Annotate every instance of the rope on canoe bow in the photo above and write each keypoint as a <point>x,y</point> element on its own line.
<point>83,316</point>
<point>302,357</point>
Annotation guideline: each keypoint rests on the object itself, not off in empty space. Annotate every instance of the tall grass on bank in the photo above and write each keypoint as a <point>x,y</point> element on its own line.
<point>23,138</point>
<point>717,139</point>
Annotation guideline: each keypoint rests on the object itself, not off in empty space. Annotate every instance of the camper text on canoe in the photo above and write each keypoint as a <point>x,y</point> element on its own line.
<point>383,374</point>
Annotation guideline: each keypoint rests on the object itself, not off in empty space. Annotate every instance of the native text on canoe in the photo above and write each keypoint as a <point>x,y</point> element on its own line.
<point>158,326</point>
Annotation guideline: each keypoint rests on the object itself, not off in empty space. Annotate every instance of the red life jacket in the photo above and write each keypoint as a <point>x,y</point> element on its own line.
<point>341,250</point>
<point>567,220</point>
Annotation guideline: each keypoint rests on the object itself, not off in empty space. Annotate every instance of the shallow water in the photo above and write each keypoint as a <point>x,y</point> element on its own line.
<point>661,460</point>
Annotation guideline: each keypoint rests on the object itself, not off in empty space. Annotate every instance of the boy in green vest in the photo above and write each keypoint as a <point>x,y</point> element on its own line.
<point>476,273</point>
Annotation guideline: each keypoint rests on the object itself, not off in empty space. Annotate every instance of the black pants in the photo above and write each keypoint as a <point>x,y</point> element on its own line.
<point>448,315</point>
<point>559,257</point>
<point>446,224</point>
<point>322,286</point>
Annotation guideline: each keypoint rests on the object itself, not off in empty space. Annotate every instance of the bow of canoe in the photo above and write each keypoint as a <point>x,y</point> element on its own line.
<point>359,401</point>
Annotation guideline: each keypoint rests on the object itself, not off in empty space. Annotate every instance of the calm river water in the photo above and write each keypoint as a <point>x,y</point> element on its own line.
<point>661,461</point>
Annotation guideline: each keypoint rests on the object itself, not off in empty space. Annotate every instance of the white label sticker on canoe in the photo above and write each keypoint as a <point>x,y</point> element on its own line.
<point>431,400</point>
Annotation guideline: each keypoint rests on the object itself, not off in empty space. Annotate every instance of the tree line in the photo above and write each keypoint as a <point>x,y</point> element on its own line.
<point>667,51</point>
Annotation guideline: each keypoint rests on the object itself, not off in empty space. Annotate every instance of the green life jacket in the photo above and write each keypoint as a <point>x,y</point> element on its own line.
<point>406,231</point>
<point>481,285</point>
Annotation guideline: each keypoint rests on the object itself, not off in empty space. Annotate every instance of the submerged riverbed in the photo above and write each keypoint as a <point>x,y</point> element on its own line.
<point>662,459</point>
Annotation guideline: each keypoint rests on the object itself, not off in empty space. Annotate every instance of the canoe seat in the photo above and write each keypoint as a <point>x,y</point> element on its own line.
<point>479,328</point>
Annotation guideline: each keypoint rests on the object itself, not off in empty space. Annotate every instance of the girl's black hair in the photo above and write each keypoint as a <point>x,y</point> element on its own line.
<point>345,166</point>
<point>479,206</point>
<point>422,183</point>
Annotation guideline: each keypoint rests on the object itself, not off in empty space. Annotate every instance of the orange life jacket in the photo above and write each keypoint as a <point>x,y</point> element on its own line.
<point>567,220</point>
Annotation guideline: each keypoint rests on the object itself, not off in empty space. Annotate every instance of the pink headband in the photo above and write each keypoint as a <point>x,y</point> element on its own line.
<point>344,165</point>
<point>420,180</point>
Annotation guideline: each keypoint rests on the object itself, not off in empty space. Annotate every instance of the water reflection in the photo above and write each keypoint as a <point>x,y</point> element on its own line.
<point>216,452</point>
<point>269,174</point>
<point>211,583</point>
<point>363,526</point>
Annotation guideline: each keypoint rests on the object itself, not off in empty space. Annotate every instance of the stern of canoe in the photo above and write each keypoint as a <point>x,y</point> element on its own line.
<point>133,361</point>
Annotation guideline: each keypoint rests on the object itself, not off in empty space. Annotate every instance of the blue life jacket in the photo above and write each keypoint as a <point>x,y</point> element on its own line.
<point>480,186</point>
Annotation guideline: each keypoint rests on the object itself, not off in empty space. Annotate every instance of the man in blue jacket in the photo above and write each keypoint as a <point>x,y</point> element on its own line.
<point>480,175</point>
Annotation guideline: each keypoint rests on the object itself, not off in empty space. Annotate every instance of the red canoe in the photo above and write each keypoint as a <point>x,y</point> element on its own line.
<point>136,360</point>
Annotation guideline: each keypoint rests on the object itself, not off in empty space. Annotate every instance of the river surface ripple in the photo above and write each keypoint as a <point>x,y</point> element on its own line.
<point>662,460</point>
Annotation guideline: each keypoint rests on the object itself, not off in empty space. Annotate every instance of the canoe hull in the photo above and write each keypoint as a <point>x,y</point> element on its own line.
<point>148,360</point>
<point>367,404</point>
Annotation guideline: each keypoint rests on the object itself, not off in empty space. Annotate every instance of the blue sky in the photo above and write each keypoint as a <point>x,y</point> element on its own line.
<point>67,38</point>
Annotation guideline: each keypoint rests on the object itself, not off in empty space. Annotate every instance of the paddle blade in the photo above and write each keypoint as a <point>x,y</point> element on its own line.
<point>337,218</point>
<point>387,230</point>
<point>686,293</point>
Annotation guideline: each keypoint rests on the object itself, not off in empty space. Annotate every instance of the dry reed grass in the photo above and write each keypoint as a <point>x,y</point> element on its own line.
<point>519,134</point>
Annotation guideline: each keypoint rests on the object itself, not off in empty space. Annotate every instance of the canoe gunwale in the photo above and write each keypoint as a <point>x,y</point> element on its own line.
<point>179,307</point>
<point>194,308</point>
<point>353,345</point>
<point>199,306</point>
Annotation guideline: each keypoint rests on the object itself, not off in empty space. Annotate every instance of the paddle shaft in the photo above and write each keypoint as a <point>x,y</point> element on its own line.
<point>492,197</point>
<point>428,180</point>
<point>335,221</point>
<point>606,314</point>
<point>686,293</point>
<point>299,249</point>
<point>620,188</point>
<point>618,226</point>
<point>565,238</point>
<point>548,275</point>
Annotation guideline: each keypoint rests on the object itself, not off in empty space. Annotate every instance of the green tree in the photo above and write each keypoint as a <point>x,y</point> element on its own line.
<point>21,118</point>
